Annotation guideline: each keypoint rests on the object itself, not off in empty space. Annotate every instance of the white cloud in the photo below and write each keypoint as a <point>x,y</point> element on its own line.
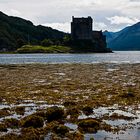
<point>131,8</point>
<point>58,13</point>
<point>122,20</point>
<point>14,12</point>
<point>99,26</point>
<point>65,27</point>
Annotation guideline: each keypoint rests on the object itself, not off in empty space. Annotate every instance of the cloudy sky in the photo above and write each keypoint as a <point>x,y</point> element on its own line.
<point>109,15</point>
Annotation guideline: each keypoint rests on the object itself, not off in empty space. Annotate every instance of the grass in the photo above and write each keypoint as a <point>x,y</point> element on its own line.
<point>41,49</point>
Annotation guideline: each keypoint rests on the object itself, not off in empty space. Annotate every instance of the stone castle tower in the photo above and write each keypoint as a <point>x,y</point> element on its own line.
<point>81,28</point>
<point>81,31</point>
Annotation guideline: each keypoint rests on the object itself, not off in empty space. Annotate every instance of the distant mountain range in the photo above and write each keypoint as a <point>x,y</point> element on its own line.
<point>125,40</point>
<point>15,31</point>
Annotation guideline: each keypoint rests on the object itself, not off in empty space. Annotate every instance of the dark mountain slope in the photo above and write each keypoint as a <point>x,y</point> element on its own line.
<point>16,31</point>
<point>127,39</point>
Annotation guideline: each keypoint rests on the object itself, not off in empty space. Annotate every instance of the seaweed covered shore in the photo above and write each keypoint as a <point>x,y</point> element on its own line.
<point>70,101</point>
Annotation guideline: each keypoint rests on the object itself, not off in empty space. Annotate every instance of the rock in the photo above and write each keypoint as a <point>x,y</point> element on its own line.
<point>87,110</point>
<point>12,123</point>
<point>88,125</point>
<point>3,127</point>
<point>33,121</point>
<point>61,129</point>
<point>54,113</point>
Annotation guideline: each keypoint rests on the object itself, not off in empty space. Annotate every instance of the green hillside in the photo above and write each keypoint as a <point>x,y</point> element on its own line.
<point>15,32</point>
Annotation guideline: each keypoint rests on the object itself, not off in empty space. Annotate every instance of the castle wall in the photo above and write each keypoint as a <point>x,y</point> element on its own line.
<point>99,39</point>
<point>81,28</point>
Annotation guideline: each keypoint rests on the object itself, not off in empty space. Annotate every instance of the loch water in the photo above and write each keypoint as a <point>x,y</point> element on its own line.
<point>116,57</point>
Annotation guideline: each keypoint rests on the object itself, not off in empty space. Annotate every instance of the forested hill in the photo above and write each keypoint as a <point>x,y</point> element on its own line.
<point>15,32</point>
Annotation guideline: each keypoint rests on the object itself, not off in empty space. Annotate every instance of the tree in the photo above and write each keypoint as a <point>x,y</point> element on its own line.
<point>66,40</point>
<point>46,42</point>
<point>20,42</point>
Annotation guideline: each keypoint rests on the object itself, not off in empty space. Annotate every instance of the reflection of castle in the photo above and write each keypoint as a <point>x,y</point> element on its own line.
<point>81,29</point>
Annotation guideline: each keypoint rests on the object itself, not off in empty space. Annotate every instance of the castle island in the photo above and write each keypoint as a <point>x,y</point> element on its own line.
<point>82,31</point>
<point>41,39</point>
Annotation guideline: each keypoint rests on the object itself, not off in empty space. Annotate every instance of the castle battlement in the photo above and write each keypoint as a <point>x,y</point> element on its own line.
<point>87,20</point>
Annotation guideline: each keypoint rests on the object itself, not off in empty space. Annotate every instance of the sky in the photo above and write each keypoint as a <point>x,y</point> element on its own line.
<point>111,15</point>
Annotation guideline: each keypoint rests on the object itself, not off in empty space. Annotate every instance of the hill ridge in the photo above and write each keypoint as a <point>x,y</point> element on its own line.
<point>126,39</point>
<point>15,30</point>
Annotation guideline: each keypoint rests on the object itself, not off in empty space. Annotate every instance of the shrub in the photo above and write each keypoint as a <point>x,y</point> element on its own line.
<point>20,42</point>
<point>46,42</point>
<point>67,40</point>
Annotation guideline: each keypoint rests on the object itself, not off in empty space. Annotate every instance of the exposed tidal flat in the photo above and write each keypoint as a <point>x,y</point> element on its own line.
<point>70,101</point>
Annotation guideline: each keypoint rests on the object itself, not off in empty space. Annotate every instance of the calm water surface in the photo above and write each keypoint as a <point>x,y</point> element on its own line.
<point>116,57</point>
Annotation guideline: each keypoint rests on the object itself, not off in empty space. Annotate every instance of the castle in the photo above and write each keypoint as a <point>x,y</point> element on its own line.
<point>82,29</point>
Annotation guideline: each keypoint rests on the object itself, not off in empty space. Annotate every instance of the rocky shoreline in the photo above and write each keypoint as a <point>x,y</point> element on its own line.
<point>91,101</point>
